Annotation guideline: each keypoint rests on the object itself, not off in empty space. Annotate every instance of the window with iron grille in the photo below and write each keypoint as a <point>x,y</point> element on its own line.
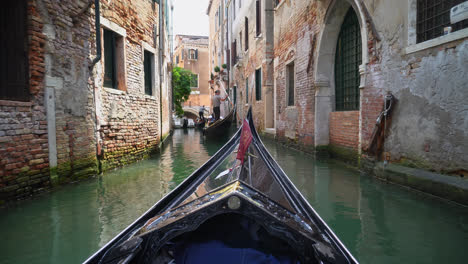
<point>347,61</point>
<point>148,69</point>
<point>14,65</point>
<point>433,16</point>
<point>258,84</point>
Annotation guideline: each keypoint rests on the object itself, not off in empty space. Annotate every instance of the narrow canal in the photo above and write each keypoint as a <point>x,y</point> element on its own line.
<point>378,222</point>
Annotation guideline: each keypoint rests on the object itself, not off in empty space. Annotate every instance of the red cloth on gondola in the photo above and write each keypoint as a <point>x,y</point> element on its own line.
<point>245,139</point>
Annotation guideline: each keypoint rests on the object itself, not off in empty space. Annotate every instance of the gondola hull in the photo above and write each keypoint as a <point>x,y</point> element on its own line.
<point>251,209</point>
<point>221,126</point>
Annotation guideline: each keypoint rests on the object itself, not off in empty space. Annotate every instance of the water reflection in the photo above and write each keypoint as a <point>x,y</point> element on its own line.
<point>379,223</point>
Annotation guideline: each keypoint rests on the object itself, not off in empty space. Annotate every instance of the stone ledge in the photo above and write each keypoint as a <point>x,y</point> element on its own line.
<point>447,187</point>
<point>14,103</point>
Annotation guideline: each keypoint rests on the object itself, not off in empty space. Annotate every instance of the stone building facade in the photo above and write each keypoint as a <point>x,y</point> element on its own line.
<point>60,120</point>
<point>191,53</point>
<point>334,63</point>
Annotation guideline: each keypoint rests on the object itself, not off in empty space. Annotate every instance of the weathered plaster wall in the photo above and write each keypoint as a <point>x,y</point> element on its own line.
<point>50,135</point>
<point>69,88</point>
<point>430,122</point>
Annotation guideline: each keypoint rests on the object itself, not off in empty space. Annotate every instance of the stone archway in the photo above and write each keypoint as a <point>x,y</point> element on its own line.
<point>324,65</point>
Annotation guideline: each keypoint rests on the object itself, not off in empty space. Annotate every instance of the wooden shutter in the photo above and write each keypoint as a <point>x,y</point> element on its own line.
<point>258,17</point>
<point>14,62</point>
<point>258,84</point>
<point>246,34</point>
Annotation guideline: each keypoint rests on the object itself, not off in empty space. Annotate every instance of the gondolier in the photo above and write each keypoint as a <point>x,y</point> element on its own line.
<point>216,101</point>
<point>201,112</point>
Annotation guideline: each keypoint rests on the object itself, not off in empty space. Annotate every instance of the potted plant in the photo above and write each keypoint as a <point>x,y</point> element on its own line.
<point>216,69</point>
<point>224,66</point>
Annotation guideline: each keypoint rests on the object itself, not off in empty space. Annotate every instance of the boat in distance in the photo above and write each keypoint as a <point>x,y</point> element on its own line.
<point>220,126</point>
<point>238,207</point>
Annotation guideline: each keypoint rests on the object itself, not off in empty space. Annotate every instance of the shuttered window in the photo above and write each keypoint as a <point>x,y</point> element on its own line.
<point>109,60</point>
<point>234,52</point>
<point>246,34</point>
<point>14,61</point>
<point>194,81</point>
<point>148,67</point>
<point>433,16</point>
<point>258,84</point>
<point>347,61</point>
<point>258,17</point>
<point>246,90</point>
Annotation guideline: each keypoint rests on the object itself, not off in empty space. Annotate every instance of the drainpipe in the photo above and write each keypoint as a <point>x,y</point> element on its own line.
<point>161,39</point>
<point>97,19</point>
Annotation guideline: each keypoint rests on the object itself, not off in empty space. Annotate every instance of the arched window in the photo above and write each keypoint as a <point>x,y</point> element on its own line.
<point>347,61</point>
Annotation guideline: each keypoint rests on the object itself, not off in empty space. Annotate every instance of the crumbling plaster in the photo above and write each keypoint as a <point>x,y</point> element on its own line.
<point>430,121</point>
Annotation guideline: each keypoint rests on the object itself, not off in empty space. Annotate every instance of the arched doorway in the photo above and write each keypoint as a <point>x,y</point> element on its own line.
<point>330,53</point>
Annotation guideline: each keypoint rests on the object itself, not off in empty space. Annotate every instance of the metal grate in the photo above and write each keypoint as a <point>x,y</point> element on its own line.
<point>433,16</point>
<point>347,61</point>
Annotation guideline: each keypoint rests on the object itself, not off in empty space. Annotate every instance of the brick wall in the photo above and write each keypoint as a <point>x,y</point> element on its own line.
<point>128,118</point>
<point>344,129</point>
<point>293,43</point>
<point>24,164</point>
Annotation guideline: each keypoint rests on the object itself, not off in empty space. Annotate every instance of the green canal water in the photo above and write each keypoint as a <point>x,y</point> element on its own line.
<point>378,222</point>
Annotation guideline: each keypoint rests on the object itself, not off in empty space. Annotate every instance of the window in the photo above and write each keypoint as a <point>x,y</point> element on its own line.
<point>258,84</point>
<point>434,16</point>
<point>194,81</point>
<point>14,65</point>
<point>240,41</point>
<point>347,61</point>
<point>109,59</point>
<point>234,52</point>
<point>220,15</point>
<point>240,3</point>
<point>246,34</point>
<point>148,61</point>
<point>290,84</point>
<point>177,59</point>
<point>246,90</point>
<point>114,60</point>
<point>193,53</point>
<point>234,91</point>
<point>258,17</point>
<point>234,9</point>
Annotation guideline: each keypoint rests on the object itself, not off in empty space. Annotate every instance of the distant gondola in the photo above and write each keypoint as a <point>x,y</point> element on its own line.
<point>239,207</point>
<point>221,126</point>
